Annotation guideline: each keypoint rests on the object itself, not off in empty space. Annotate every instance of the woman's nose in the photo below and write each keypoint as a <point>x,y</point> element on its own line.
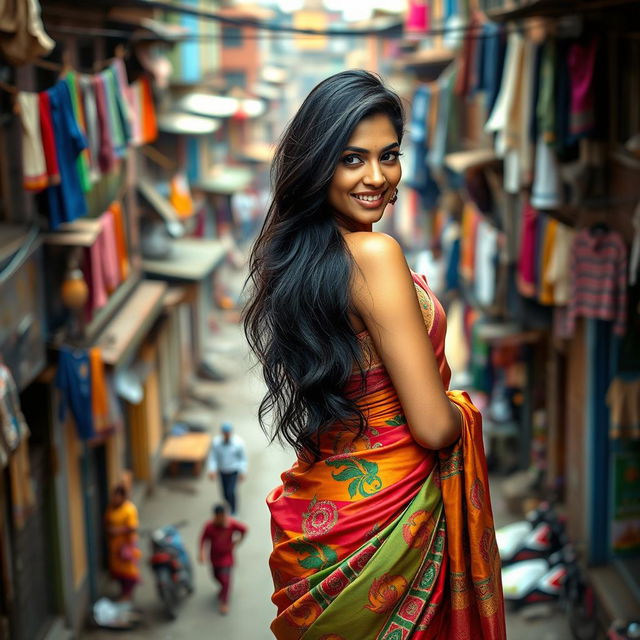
<point>374,175</point>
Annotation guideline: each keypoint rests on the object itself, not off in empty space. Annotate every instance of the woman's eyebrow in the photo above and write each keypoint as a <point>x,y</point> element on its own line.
<point>361,150</point>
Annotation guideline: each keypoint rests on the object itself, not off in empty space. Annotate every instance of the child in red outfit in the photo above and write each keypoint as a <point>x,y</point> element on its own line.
<point>222,533</point>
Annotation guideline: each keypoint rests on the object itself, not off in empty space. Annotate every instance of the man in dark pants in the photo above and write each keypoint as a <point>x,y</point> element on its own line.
<point>228,458</point>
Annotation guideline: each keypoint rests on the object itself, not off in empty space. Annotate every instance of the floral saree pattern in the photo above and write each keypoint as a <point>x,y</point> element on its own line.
<point>381,538</point>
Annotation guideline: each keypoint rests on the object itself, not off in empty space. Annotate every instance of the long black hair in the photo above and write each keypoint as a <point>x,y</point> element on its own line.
<point>297,317</point>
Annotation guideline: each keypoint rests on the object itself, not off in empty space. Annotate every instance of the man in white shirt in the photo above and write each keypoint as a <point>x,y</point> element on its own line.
<point>227,458</point>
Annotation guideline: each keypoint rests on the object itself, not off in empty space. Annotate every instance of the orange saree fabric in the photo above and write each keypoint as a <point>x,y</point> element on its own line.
<point>381,538</point>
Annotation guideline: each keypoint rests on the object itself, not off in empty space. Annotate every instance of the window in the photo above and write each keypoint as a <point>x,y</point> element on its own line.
<point>232,37</point>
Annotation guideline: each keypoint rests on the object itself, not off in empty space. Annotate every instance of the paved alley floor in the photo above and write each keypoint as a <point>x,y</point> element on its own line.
<point>191,499</point>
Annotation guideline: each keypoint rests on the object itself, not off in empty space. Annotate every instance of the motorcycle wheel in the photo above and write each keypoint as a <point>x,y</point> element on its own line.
<point>167,593</point>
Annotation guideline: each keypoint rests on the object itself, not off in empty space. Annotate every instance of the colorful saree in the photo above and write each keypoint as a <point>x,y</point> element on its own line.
<point>384,539</point>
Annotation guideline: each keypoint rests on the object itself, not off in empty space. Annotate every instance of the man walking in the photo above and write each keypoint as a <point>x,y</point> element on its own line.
<point>222,534</point>
<point>228,458</point>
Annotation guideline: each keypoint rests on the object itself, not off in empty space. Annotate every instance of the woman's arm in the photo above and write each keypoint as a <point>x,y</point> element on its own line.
<point>385,298</point>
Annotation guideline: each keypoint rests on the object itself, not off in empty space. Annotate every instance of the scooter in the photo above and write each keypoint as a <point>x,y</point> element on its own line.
<point>536,537</point>
<point>171,567</point>
<point>535,580</point>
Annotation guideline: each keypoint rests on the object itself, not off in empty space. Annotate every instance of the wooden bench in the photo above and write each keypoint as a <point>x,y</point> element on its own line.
<point>192,448</point>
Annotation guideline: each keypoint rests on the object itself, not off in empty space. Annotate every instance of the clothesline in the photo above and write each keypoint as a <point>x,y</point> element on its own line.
<point>64,67</point>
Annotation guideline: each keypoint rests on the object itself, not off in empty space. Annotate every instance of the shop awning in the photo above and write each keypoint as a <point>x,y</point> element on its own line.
<point>187,124</point>
<point>209,105</point>
<point>126,330</point>
<point>429,63</point>
<point>191,259</point>
<point>225,180</point>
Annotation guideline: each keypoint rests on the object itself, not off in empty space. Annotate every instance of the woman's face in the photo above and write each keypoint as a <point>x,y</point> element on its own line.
<point>367,174</point>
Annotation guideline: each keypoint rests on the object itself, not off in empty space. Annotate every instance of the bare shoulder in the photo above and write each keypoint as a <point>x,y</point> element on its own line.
<point>372,250</point>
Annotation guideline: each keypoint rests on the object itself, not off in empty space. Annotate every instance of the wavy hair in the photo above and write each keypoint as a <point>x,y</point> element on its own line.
<point>296,319</point>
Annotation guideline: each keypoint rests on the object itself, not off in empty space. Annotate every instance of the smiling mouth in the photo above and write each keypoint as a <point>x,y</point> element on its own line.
<point>370,199</point>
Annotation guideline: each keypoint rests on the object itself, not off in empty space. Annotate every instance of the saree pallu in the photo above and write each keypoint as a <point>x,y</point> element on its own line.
<point>382,538</point>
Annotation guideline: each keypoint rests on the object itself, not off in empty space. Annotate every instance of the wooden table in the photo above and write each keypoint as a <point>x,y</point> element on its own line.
<point>192,448</point>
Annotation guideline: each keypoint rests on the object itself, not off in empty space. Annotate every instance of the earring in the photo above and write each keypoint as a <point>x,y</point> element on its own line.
<point>394,197</point>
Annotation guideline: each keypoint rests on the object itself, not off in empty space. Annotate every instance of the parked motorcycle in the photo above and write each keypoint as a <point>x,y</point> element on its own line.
<point>534,581</point>
<point>171,567</point>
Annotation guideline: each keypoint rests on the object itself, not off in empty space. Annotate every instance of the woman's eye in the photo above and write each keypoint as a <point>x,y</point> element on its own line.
<point>390,156</point>
<point>351,159</point>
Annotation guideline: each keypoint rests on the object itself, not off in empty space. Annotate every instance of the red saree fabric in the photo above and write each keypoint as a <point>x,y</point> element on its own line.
<point>382,538</point>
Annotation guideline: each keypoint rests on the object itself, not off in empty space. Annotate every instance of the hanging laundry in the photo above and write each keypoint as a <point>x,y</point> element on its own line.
<point>118,137</point>
<point>419,175</point>
<point>109,252</point>
<point>106,152</point>
<point>82,162</point>
<point>546,191</point>
<point>99,392</point>
<point>126,93</point>
<point>564,143</point>
<point>509,86</point>
<point>526,279</point>
<point>102,265</point>
<point>493,58</point>
<point>147,111</point>
<point>22,34</point>
<point>73,379</point>
<point>441,133</point>
<point>121,239</point>
<point>66,200</point>
<point>505,119</point>
<point>48,139</point>
<point>557,274</point>
<point>582,65</point>
<point>94,277</point>
<point>623,398</point>
<point>417,19</point>
<point>121,104</point>
<point>88,96</point>
<point>470,220</point>
<point>545,107</point>
<point>465,79</point>
<point>599,278</point>
<point>522,120</point>
<point>34,168</point>
<point>546,292</point>
<point>486,259</point>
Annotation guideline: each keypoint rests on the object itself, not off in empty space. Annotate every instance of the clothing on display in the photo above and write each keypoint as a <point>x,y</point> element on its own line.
<point>34,168</point>
<point>73,379</point>
<point>598,278</point>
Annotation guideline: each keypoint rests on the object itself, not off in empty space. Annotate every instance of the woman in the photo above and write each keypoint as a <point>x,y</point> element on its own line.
<point>383,527</point>
<point>121,524</point>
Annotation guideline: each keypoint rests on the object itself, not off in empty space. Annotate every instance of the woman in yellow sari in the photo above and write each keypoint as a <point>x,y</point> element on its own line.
<point>383,526</point>
<point>121,525</point>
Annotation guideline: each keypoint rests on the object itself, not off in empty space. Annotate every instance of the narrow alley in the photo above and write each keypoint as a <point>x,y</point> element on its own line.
<point>186,498</point>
